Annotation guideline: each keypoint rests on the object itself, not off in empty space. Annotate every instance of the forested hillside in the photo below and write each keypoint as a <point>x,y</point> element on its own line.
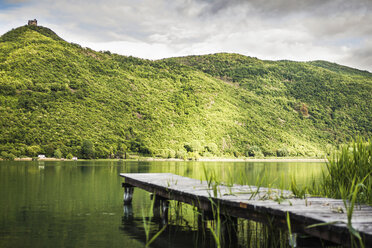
<point>60,99</point>
<point>335,99</point>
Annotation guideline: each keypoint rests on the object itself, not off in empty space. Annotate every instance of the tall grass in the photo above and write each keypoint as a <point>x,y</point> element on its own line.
<point>352,164</point>
<point>349,177</point>
<point>349,210</point>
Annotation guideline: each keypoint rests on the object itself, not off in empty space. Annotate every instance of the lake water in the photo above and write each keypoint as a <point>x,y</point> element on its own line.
<point>80,204</point>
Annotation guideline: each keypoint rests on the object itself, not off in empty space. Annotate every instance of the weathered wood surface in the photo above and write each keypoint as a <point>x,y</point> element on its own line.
<point>262,204</point>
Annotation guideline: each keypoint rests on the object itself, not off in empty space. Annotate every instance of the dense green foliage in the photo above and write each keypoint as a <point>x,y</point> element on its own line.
<point>334,98</point>
<point>59,96</point>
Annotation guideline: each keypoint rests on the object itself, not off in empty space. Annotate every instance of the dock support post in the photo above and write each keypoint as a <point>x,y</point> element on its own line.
<point>156,207</point>
<point>164,212</point>
<point>128,212</point>
<point>229,229</point>
<point>300,240</point>
<point>128,193</point>
<point>292,239</point>
<point>160,208</point>
<point>203,217</point>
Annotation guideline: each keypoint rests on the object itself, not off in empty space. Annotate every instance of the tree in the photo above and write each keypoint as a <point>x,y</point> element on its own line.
<point>122,151</point>
<point>33,151</point>
<point>282,152</point>
<point>7,156</point>
<point>253,151</point>
<point>57,153</point>
<point>87,149</point>
<point>212,148</point>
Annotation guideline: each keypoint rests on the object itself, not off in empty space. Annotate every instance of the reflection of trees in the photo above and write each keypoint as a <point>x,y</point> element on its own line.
<point>75,203</point>
<point>274,173</point>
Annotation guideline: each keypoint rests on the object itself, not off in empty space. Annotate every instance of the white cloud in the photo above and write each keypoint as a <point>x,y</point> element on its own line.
<point>137,49</point>
<point>337,31</point>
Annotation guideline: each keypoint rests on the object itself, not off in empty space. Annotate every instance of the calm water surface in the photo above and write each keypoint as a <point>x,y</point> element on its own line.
<point>80,204</point>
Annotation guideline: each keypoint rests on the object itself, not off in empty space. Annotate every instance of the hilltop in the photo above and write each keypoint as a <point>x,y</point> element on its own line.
<point>59,99</point>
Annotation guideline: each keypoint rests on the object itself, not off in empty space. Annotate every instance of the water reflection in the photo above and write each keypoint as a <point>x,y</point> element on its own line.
<point>174,234</point>
<point>189,228</point>
<point>80,204</point>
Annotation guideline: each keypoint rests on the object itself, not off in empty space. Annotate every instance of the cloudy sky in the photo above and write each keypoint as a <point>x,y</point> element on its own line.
<point>334,30</point>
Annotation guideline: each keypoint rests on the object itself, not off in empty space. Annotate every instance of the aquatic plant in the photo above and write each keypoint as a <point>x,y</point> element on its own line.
<point>292,236</point>
<point>352,163</point>
<point>349,205</point>
<point>212,181</point>
<point>216,231</point>
<point>298,191</point>
<point>349,177</point>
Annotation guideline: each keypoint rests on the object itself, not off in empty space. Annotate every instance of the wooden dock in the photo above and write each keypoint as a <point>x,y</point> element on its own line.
<point>259,204</point>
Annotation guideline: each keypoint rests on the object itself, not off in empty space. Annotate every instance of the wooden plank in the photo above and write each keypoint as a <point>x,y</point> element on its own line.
<point>259,203</point>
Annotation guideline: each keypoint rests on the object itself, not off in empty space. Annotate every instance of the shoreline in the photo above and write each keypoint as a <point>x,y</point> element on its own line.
<point>302,160</point>
<point>149,159</point>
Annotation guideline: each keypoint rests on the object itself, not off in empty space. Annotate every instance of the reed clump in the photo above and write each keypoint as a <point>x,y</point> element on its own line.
<point>352,165</point>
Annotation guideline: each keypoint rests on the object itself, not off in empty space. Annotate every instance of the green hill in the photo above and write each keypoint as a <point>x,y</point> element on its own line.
<point>57,96</point>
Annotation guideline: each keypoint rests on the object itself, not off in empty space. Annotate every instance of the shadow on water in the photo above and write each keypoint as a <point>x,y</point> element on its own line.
<point>183,225</point>
<point>184,232</point>
<point>175,234</point>
<point>187,227</point>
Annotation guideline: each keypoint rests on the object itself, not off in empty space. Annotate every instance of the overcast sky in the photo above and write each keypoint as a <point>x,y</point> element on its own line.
<point>337,31</point>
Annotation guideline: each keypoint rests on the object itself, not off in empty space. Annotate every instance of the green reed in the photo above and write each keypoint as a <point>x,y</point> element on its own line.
<point>349,177</point>
<point>349,205</point>
<point>352,163</point>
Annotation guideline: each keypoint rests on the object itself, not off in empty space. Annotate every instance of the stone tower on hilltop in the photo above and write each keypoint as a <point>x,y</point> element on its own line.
<point>32,22</point>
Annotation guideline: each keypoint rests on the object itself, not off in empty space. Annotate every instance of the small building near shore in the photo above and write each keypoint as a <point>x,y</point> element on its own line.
<point>41,156</point>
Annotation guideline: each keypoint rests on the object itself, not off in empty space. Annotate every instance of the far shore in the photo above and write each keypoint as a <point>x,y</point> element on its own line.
<point>202,159</point>
<point>241,159</point>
